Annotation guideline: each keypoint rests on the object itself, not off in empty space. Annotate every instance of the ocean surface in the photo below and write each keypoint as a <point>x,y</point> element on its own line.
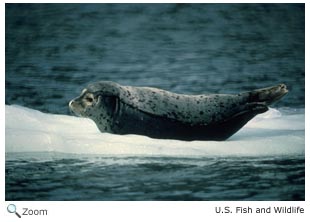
<point>54,50</point>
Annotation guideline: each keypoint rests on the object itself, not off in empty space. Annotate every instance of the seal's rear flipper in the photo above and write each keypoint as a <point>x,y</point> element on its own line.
<point>268,95</point>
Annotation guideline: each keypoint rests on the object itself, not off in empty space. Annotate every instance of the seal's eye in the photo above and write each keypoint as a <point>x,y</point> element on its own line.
<point>89,99</point>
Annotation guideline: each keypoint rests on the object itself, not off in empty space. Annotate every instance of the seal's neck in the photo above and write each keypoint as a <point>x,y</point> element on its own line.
<point>103,121</point>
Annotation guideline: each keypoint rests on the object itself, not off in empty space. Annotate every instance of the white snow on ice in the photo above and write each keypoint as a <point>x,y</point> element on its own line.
<point>28,130</point>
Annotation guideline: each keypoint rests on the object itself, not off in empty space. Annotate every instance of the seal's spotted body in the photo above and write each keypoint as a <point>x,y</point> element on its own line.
<point>162,114</point>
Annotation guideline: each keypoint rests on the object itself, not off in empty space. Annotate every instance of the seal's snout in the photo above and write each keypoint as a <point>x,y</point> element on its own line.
<point>73,108</point>
<point>70,103</point>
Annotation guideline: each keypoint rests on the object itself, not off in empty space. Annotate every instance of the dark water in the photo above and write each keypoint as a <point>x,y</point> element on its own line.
<point>54,50</point>
<point>155,178</point>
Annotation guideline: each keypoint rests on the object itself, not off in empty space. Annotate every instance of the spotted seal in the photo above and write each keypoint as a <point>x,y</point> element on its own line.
<point>162,114</point>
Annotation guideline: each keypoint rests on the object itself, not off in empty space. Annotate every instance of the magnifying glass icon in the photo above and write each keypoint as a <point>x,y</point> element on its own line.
<point>12,209</point>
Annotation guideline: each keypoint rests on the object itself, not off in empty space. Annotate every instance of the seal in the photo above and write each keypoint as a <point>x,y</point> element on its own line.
<point>162,114</point>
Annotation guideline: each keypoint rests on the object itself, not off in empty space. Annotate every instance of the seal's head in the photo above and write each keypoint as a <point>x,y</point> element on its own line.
<point>97,102</point>
<point>85,103</point>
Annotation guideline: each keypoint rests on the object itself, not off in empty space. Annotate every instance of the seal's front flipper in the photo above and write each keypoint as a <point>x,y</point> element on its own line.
<point>268,95</point>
